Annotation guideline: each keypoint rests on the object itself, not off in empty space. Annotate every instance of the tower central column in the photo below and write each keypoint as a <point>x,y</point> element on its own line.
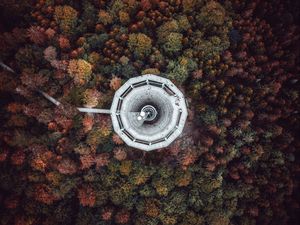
<point>148,113</point>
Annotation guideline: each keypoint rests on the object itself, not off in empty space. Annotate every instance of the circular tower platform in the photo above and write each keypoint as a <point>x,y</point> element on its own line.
<point>148,112</point>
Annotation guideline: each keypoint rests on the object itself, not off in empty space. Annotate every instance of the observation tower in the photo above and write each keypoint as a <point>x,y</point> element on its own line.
<point>148,112</point>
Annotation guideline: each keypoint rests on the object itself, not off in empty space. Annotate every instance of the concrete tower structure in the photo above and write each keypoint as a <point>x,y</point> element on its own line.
<point>148,112</point>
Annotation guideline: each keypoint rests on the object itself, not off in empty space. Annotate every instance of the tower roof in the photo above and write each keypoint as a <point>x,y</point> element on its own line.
<point>148,112</point>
